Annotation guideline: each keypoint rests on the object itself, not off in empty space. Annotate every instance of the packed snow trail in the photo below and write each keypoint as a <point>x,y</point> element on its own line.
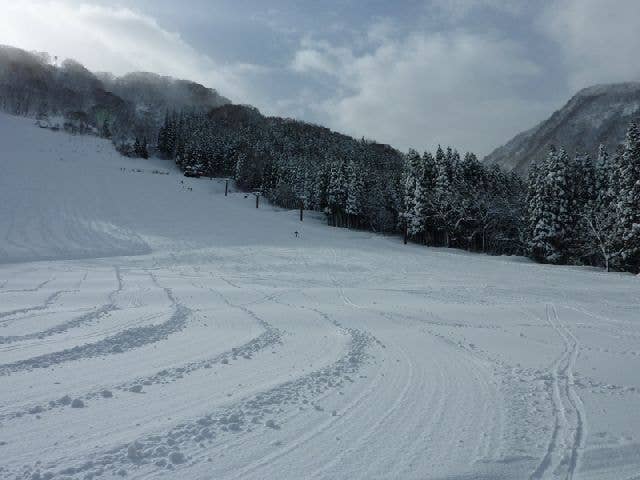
<point>569,429</point>
<point>151,327</point>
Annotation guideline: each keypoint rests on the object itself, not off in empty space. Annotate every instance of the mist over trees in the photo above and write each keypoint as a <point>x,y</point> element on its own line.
<point>571,210</point>
<point>121,108</point>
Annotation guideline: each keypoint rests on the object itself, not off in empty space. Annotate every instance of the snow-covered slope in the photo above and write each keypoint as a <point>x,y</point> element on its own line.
<point>210,342</point>
<point>595,115</point>
<point>65,196</point>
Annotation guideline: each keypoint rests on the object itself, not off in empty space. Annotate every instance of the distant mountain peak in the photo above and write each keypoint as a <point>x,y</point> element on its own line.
<point>610,88</point>
<point>596,115</point>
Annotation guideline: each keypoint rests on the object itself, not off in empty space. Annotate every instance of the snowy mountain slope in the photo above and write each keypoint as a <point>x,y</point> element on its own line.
<point>32,84</point>
<point>65,196</point>
<point>595,115</point>
<point>196,337</point>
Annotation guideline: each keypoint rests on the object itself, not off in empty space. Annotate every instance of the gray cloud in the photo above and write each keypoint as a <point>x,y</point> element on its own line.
<point>458,88</point>
<point>119,40</point>
<point>599,39</point>
<point>416,73</point>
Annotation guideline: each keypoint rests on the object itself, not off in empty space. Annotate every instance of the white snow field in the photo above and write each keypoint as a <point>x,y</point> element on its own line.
<point>151,327</point>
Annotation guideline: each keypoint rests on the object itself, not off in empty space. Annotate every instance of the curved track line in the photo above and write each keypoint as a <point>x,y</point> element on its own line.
<point>119,343</point>
<point>568,436</point>
<point>47,303</point>
<point>74,322</point>
<point>146,450</point>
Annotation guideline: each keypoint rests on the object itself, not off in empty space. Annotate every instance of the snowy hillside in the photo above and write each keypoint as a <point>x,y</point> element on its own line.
<point>595,115</point>
<point>38,84</point>
<point>66,196</point>
<point>151,327</point>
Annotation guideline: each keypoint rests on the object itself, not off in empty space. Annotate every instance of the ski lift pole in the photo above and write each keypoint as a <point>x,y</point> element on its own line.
<point>302,208</point>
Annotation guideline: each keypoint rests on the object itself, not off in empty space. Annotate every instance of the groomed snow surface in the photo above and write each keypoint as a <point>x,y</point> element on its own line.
<point>152,328</point>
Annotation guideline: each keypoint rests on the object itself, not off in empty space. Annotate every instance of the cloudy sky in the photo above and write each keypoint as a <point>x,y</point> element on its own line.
<point>413,73</point>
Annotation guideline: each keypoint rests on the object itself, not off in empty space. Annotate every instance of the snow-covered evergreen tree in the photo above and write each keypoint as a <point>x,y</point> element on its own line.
<point>550,212</point>
<point>443,194</point>
<point>629,201</point>
<point>412,171</point>
<point>599,218</point>
<point>337,193</point>
<point>422,215</point>
<point>582,191</point>
<point>355,194</point>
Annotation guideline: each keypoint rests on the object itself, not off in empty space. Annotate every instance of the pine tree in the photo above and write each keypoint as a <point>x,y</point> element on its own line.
<point>136,147</point>
<point>163,136</point>
<point>355,194</point>
<point>629,201</point>
<point>599,217</point>
<point>180,138</point>
<point>535,208</point>
<point>423,198</point>
<point>240,170</point>
<point>337,193</point>
<point>412,171</point>
<point>320,188</point>
<point>582,183</point>
<point>171,136</point>
<point>301,176</point>
<point>472,187</point>
<point>443,193</point>
<point>551,209</point>
<point>144,153</point>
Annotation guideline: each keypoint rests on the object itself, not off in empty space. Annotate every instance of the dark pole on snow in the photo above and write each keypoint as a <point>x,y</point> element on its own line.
<point>257,200</point>
<point>226,187</point>
<point>406,234</point>
<point>301,209</point>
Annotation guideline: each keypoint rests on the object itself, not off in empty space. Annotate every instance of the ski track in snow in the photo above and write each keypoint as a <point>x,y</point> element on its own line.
<point>119,343</point>
<point>269,338</point>
<point>85,318</point>
<point>50,300</point>
<point>221,346</point>
<point>567,440</point>
<point>260,409</point>
<point>24,290</point>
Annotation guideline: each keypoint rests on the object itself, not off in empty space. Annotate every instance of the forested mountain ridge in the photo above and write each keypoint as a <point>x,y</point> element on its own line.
<point>290,162</point>
<point>34,84</point>
<point>594,116</point>
<point>156,93</point>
